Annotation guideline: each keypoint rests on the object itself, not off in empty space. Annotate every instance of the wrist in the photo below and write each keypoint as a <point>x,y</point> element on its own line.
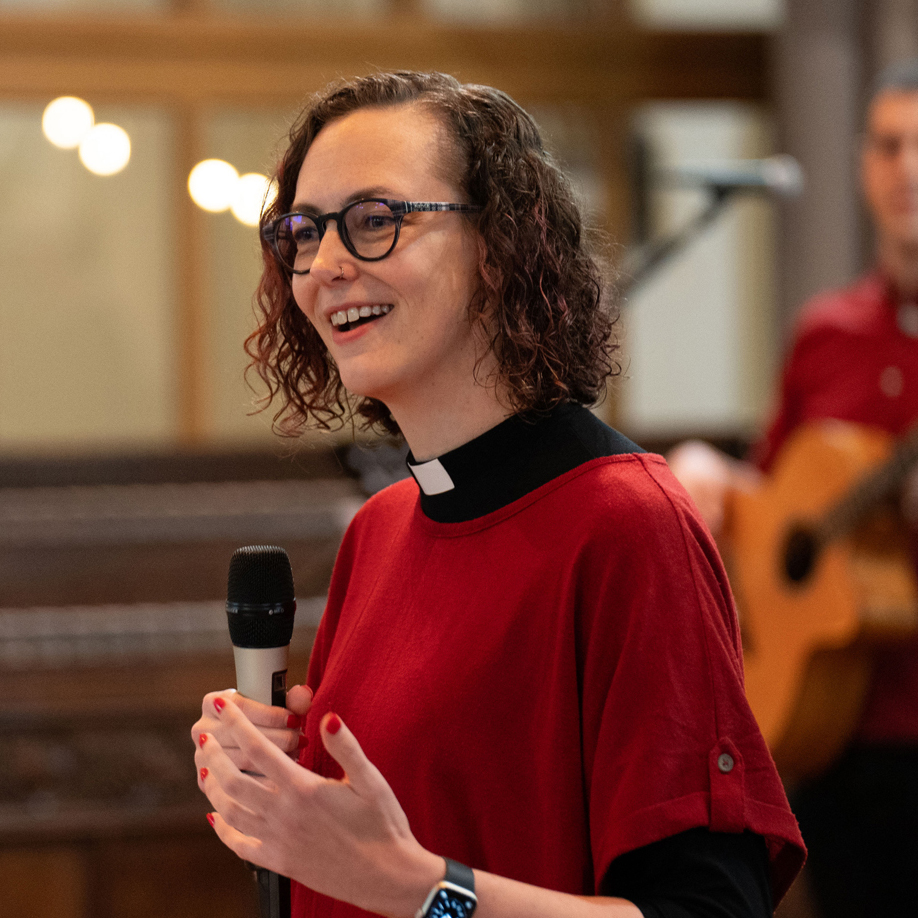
<point>414,884</point>
<point>453,896</point>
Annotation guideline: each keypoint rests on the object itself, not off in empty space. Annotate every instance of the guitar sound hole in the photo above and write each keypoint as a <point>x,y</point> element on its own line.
<point>800,555</point>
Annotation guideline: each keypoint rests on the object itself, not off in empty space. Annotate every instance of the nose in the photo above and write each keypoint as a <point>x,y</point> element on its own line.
<point>331,255</point>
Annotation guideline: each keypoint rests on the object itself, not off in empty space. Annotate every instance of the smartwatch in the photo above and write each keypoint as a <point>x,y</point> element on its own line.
<point>453,897</point>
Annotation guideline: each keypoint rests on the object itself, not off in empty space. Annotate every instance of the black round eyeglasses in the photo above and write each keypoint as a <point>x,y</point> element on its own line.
<point>368,228</point>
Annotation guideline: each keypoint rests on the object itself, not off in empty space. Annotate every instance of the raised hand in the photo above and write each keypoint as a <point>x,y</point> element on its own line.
<point>348,839</point>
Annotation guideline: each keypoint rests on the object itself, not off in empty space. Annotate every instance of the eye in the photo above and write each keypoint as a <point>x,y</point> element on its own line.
<point>305,234</point>
<point>379,221</point>
<point>370,219</point>
<point>886,146</point>
<point>302,230</point>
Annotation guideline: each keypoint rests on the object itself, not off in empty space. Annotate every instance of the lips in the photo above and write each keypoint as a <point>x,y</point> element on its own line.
<point>346,319</point>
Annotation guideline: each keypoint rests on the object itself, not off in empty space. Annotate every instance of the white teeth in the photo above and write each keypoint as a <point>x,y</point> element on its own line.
<point>352,314</point>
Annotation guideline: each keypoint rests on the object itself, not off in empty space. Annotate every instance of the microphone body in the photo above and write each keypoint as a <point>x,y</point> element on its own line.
<point>780,175</point>
<point>261,673</point>
<point>260,605</point>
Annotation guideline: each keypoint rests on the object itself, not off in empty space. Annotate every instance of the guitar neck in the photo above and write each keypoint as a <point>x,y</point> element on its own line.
<point>870,491</point>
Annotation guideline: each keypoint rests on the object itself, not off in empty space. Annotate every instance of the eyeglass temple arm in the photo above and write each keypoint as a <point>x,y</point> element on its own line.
<point>429,206</point>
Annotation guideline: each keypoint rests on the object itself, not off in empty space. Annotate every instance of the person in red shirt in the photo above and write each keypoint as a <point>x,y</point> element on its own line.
<point>527,683</point>
<point>854,358</point>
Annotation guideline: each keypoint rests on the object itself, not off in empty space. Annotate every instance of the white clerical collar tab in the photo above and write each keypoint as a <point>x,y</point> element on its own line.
<point>431,477</point>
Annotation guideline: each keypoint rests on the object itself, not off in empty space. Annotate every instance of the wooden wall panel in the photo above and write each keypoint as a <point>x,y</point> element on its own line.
<point>263,61</point>
<point>44,881</point>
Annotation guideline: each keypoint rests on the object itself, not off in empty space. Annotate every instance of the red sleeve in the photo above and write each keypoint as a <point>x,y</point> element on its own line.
<point>670,741</point>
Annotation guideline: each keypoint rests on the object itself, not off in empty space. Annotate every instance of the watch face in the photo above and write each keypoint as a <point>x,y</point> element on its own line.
<point>449,904</point>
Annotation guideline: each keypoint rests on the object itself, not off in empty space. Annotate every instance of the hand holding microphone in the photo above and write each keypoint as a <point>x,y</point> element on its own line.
<point>260,580</point>
<point>260,604</point>
<point>260,610</point>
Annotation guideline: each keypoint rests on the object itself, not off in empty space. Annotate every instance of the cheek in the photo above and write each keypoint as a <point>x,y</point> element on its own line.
<point>877,185</point>
<point>304,295</point>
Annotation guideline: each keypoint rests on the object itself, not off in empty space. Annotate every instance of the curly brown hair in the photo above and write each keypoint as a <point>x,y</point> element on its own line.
<point>541,295</point>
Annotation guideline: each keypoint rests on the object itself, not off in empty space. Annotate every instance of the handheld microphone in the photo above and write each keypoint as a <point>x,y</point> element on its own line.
<point>260,605</point>
<point>779,175</point>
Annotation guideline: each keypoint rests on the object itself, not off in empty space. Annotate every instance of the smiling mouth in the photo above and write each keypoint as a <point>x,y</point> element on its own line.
<point>346,319</point>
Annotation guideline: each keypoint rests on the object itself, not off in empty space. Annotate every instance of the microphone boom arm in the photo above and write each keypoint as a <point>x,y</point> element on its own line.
<point>656,254</point>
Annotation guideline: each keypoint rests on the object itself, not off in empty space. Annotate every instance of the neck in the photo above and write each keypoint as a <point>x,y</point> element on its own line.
<point>900,262</point>
<point>431,431</point>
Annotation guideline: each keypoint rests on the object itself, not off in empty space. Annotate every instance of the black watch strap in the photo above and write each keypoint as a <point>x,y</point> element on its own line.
<point>460,875</point>
<point>453,895</point>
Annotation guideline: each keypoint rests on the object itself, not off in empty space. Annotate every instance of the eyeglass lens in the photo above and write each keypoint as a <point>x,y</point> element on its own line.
<point>369,226</point>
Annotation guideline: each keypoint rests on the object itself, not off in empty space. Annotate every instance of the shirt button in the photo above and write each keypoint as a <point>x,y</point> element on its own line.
<point>907,319</point>
<point>891,382</point>
<point>725,762</point>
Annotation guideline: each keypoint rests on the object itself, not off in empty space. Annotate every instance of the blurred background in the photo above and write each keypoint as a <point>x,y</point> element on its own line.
<point>131,464</point>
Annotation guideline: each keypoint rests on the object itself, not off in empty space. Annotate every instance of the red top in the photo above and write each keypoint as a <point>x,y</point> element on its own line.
<point>852,361</point>
<point>550,685</point>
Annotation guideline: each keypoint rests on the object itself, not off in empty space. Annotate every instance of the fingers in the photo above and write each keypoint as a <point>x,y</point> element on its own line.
<point>207,723</point>
<point>246,847</point>
<point>240,797</point>
<point>263,715</point>
<point>233,824</point>
<point>280,725</point>
<point>257,747</point>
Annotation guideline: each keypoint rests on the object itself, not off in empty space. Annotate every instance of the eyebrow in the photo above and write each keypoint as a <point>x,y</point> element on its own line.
<point>374,191</point>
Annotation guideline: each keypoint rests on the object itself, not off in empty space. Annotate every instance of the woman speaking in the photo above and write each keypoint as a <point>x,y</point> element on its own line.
<point>526,693</point>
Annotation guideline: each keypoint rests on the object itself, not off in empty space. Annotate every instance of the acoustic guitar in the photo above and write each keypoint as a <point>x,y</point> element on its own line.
<point>818,560</point>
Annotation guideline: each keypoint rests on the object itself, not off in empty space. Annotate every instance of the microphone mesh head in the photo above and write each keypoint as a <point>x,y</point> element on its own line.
<point>260,574</point>
<point>260,598</point>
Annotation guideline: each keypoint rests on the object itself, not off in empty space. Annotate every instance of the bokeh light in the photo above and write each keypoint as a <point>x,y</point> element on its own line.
<point>253,193</point>
<point>212,185</point>
<point>106,149</point>
<point>66,121</point>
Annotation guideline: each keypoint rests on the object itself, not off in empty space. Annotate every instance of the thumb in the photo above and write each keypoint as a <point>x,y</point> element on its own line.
<point>363,776</point>
<point>299,699</point>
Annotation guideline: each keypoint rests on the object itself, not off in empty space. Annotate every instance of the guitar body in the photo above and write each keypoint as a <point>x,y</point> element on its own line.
<point>807,641</point>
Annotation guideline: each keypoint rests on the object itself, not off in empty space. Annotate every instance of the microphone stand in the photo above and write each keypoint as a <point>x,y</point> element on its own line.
<point>652,256</point>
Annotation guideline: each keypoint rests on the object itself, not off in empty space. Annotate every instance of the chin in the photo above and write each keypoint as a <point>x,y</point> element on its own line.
<point>361,385</point>
<point>908,240</point>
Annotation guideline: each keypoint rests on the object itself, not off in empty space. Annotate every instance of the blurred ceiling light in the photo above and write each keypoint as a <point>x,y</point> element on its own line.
<point>253,193</point>
<point>66,121</point>
<point>212,185</point>
<point>106,149</point>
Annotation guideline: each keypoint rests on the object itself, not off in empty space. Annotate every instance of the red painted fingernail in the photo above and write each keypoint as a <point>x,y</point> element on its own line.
<point>202,739</point>
<point>293,720</point>
<point>204,773</point>
<point>333,724</point>
<point>219,704</point>
<point>210,819</point>
<point>302,742</point>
